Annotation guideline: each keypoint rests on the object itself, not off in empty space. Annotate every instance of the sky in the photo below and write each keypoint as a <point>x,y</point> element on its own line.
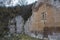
<point>15,2</point>
<point>31,1</point>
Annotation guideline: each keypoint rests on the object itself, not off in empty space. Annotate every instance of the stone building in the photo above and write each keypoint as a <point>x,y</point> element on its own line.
<point>45,19</point>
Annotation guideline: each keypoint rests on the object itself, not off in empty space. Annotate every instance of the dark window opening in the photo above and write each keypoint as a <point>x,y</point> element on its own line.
<point>43,16</point>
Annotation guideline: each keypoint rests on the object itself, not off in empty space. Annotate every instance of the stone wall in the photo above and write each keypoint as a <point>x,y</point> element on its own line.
<point>16,25</point>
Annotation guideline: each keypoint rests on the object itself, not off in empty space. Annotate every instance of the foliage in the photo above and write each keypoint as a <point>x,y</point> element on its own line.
<point>23,2</point>
<point>7,14</point>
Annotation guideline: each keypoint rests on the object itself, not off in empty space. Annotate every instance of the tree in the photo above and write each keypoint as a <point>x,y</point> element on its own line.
<point>23,2</point>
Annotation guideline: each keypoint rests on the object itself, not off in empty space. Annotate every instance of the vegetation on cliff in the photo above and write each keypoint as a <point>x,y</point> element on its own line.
<point>7,14</point>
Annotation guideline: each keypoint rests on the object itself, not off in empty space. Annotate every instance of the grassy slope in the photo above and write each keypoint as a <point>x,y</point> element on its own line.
<point>19,37</point>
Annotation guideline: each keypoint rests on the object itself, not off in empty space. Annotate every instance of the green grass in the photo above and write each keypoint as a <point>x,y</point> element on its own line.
<point>20,37</point>
<point>25,37</point>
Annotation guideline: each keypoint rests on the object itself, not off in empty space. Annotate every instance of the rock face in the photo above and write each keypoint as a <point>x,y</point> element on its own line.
<point>16,25</point>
